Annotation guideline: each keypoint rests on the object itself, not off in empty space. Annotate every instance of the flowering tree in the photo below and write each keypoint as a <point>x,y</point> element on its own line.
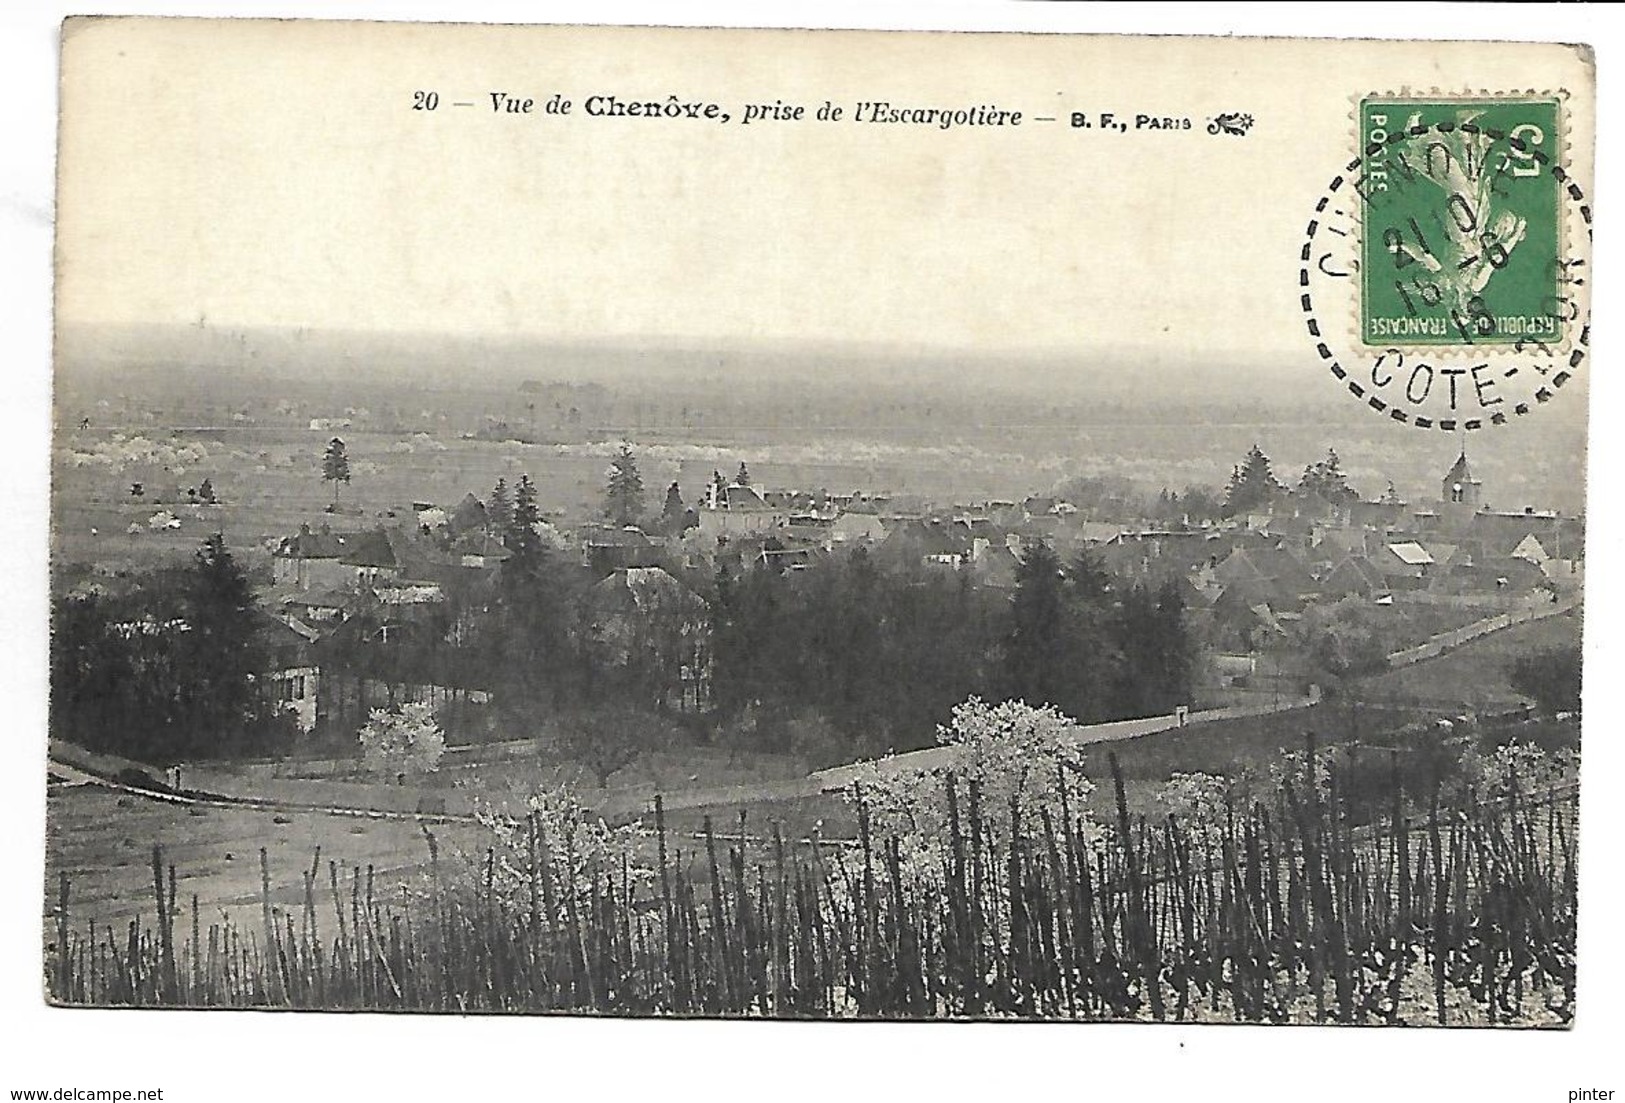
<point>1307,778</point>
<point>1494,772</point>
<point>575,844</point>
<point>1008,751</point>
<point>401,741</point>
<point>1197,801</point>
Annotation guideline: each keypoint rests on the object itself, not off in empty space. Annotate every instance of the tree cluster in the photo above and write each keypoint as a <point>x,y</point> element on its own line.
<point>1252,486</point>
<point>1343,640</point>
<point>885,656</point>
<point>1099,650</point>
<point>1194,506</point>
<point>172,668</point>
<point>1326,478</point>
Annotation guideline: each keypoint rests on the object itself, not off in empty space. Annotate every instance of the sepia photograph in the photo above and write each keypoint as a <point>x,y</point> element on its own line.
<point>669,523</point>
<point>454,662</point>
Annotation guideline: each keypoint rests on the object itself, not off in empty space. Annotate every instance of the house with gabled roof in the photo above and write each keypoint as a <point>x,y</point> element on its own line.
<point>996,565</point>
<point>311,560</point>
<point>853,527</point>
<point>319,607</point>
<point>607,548</point>
<point>807,531</point>
<point>781,555</point>
<point>1157,554</point>
<point>1239,621</point>
<point>1505,576</point>
<point>371,556</point>
<point>1267,573</point>
<point>1405,564</point>
<point>1096,532</point>
<point>915,542</point>
<point>733,509</point>
<point>292,673</point>
<point>477,549</point>
<point>1354,575</point>
<point>1446,556</point>
<point>1333,540</point>
<point>1500,533</point>
<point>1530,548</point>
<point>656,632</point>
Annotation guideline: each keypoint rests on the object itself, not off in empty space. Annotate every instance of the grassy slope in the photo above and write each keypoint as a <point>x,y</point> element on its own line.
<point>103,841</point>
<point>1474,676</point>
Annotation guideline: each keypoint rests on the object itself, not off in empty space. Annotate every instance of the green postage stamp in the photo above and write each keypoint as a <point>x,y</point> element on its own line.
<point>1462,237</point>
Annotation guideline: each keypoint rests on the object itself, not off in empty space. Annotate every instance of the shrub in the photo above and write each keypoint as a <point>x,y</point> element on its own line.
<point>1197,800</point>
<point>401,741</point>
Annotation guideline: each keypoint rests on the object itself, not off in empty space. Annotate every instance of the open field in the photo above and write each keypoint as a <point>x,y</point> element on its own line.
<point>103,840</point>
<point>1474,676</point>
<point>269,483</point>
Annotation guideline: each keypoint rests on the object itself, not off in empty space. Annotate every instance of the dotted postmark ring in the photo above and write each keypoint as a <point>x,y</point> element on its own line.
<point>1467,386</point>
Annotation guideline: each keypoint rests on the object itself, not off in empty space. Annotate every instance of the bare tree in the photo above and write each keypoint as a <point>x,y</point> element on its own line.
<point>606,739</point>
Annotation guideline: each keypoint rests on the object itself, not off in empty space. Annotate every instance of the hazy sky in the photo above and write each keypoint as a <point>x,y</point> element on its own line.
<point>277,175</point>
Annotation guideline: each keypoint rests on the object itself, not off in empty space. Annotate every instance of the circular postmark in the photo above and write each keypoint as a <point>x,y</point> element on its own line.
<point>1444,276</point>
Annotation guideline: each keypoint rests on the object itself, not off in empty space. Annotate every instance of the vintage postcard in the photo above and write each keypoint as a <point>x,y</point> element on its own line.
<point>815,524</point>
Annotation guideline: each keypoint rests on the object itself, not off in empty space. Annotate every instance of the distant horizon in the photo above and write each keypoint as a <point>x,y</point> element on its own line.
<point>933,405</point>
<point>1144,372</point>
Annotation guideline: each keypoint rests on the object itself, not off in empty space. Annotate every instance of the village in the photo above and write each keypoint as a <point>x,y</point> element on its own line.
<point>1274,565</point>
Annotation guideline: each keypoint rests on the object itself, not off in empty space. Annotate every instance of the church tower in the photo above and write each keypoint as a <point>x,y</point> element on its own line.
<point>1460,488</point>
<point>1460,497</point>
